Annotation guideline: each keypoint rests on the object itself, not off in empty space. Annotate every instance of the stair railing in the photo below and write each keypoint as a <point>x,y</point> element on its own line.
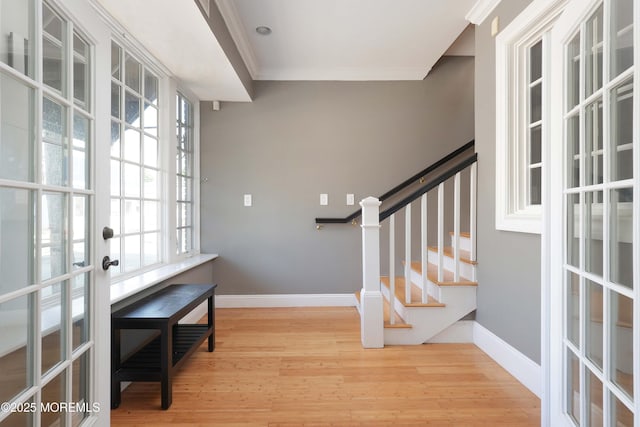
<point>372,327</point>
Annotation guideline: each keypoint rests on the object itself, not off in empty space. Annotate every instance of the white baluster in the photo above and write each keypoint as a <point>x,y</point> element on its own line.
<point>407,254</point>
<point>424,248</point>
<point>441,232</point>
<point>392,269</point>
<point>473,209</point>
<point>372,320</point>
<point>456,228</point>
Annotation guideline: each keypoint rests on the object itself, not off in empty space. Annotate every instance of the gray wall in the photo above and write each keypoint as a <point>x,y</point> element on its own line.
<point>300,139</point>
<point>508,263</point>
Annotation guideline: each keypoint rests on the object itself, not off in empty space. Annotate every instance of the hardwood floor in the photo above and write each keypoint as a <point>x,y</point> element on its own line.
<point>306,367</point>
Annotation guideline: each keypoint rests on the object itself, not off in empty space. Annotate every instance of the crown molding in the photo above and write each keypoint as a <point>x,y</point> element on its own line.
<point>234,24</point>
<point>344,74</point>
<point>480,10</point>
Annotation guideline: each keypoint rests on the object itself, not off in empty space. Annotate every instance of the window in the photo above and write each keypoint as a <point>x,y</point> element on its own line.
<point>136,200</point>
<point>184,176</point>
<point>522,51</point>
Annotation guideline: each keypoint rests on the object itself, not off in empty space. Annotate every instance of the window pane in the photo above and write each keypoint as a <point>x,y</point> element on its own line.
<point>622,342</point>
<point>150,151</point>
<point>151,248</point>
<point>593,140</point>
<point>116,254</point>
<point>54,235</point>
<point>594,387</point>
<point>54,143</point>
<point>535,62</point>
<point>572,370</point>
<point>17,28</point>
<point>115,101</point>
<point>573,308</point>
<point>17,214</point>
<point>132,109</point>
<point>573,151</point>
<point>80,231</point>
<point>131,253</point>
<point>622,36</point>
<point>573,230</point>
<point>151,184</point>
<point>131,180</point>
<point>594,45</point>
<point>80,149</point>
<point>51,322</point>
<point>594,320</point>
<point>53,393</point>
<point>535,186</point>
<point>132,142</point>
<point>131,216</point>
<point>622,131</point>
<point>115,139</point>
<point>621,416</point>
<point>132,73</point>
<point>115,178</point>
<point>17,129</point>
<point>115,61</point>
<point>151,216</point>
<point>535,145</point>
<point>151,87</point>
<point>573,73</point>
<point>620,235</point>
<point>150,119</point>
<point>115,216</point>
<point>535,103</point>
<point>593,232</point>
<point>80,72</point>
<point>15,362</point>
<point>79,307</point>
<point>79,388</point>
<point>53,50</point>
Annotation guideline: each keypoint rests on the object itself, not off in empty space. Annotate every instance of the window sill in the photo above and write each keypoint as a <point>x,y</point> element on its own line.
<point>133,285</point>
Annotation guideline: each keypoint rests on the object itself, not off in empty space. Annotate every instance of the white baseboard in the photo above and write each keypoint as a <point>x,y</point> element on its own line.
<point>286,300</point>
<point>459,332</point>
<point>517,364</point>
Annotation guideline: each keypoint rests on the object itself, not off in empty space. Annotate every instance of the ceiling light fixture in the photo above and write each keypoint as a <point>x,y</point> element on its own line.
<point>263,30</point>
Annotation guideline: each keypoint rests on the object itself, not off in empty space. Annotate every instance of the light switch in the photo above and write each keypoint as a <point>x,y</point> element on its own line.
<point>324,199</point>
<point>248,200</point>
<point>350,199</point>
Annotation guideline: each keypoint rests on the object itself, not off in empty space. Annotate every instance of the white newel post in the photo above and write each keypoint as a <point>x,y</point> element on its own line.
<point>372,321</point>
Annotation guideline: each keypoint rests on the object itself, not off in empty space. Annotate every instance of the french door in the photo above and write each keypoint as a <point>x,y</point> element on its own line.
<point>54,297</point>
<point>596,279</point>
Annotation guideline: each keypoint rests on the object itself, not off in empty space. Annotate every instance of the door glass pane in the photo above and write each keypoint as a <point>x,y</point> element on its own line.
<point>622,342</point>
<point>132,109</point>
<point>594,47</point>
<point>131,216</point>
<point>116,254</point>
<point>573,72</point>
<point>53,49</point>
<point>131,180</point>
<point>573,230</point>
<point>594,387</point>
<point>572,371</point>
<point>16,25</point>
<point>621,416</point>
<point>16,127</point>
<point>15,348</point>
<point>52,319</point>
<point>535,184</point>
<point>535,62</point>
<point>80,231</point>
<point>622,36</point>
<point>115,216</point>
<point>151,87</point>
<point>79,309</point>
<point>594,319</point>
<point>573,308</point>
<point>621,237</point>
<point>593,140</point>
<point>16,239</point>
<point>80,71</point>
<point>54,143</point>
<point>132,145</point>
<point>150,119</point>
<point>573,152</point>
<point>80,151</point>
<point>79,392</point>
<point>115,101</point>
<point>52,394</point>
<point>115,178</point>
<point>593,232</point>
<point>54,235</point>
<point>535,103</point>
<point>622,131</point>
<point>20,419</point>
<point>115,61</point>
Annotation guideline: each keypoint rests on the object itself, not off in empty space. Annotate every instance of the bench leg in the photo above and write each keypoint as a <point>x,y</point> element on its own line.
<point>166,364</point>
<point>115,366</point>
<point>211,322</point>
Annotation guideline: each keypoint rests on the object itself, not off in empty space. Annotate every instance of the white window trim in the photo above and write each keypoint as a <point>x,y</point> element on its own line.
<point>512,211</point>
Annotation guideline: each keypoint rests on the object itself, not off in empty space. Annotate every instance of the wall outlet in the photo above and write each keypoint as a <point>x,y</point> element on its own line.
<point>248,200</point>
<point>324,199</point>
<point>351,199</point>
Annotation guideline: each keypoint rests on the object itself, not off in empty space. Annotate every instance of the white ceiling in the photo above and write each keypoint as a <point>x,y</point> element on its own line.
<point>311,39</point>
<point>344,39</point>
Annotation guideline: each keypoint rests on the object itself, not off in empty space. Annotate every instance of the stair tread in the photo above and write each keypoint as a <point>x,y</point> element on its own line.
<point>416,294</point>
<point>432,274</point>
<point>462,234</point>
<point>465,256</point>
<point>399,323</point>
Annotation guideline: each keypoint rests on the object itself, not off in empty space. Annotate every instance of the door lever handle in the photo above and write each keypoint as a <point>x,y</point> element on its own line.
<point>106,263</point>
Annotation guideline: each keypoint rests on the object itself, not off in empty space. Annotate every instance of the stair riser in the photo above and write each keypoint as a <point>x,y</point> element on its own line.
<point>465,243</point>
<point>466,270</point>
<point>398,306</point>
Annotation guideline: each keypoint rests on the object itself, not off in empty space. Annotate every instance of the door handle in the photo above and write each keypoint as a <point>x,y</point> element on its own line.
<point>106,263</point>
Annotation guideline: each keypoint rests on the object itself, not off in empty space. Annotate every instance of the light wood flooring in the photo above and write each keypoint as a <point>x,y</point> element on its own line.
<point>306,367</point>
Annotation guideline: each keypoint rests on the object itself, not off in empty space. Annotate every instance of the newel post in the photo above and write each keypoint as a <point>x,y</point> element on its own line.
<point>372,322</point>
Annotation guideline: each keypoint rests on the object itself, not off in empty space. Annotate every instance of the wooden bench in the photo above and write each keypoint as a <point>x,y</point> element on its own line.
<point>158,360</point>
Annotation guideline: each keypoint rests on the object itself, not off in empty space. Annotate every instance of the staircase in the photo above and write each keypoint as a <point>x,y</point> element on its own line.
<point>438,285</point>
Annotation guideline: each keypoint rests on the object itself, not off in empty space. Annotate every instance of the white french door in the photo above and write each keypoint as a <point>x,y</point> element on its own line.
<point>54,295</point>
<point>594,216</point>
